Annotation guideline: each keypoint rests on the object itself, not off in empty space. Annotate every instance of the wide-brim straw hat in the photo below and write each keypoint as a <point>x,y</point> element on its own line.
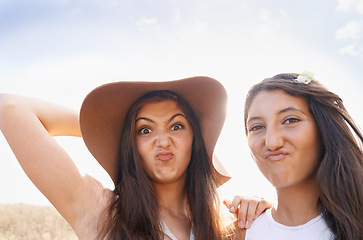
<point>104,109</point>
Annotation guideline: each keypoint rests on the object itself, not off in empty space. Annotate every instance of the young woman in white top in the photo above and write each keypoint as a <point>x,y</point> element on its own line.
<point>156,141</point>
<point>307,145</point>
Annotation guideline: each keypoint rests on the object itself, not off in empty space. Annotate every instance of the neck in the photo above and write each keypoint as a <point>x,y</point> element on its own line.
<point>171,198</point>
<point>296,205</point>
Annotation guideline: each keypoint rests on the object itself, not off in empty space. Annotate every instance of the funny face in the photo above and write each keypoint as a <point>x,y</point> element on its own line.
<point>164,141</point>
<point>283,138</point>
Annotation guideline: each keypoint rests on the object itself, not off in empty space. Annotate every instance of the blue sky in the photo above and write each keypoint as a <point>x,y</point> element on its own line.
<point>61,49</point>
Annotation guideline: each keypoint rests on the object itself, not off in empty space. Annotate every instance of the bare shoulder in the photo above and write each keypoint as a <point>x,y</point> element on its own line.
<point>94,203</point>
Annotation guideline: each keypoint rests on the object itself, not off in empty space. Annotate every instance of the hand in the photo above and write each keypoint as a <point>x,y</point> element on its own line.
<point>247,209</point>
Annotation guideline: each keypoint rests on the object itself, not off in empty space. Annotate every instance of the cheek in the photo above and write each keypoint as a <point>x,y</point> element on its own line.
<point>310,142</point>
<point>310,148</point>
<point>184,140</point>
<point>185,150</point>
<point>142,146</point>
<point>255,152</point>
<point>253,145</point>
<point>187,144</point>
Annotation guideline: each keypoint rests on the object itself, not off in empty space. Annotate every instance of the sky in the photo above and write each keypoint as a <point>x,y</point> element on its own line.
<point>59,50</point>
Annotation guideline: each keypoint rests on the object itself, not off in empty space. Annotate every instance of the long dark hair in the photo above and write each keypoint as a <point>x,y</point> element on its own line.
<point>134,212</point>
<point>340,171</point>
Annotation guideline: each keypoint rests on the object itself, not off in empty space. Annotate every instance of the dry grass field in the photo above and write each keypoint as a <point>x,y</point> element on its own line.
<point>25,222</point>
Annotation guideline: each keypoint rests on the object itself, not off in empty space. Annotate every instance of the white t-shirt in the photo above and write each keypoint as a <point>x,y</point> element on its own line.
<point>168,233</point>
<point>265,227</point>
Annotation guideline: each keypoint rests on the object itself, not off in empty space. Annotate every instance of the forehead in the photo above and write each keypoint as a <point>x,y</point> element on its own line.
<point>160,108</point>
<point>274,101</point>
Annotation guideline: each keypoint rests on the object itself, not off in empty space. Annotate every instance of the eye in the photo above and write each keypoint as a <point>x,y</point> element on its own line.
<point>177,127</point>
<point>144,130</point>
<point>291,120</point>
<point>255,128</point>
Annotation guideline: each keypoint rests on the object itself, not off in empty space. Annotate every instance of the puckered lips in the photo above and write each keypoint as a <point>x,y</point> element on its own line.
<point>276,155</point>
<point>164,155</point>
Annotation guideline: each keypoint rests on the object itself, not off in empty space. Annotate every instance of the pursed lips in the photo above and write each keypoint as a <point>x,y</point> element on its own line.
<point>164,155</point>
<point>275,155</point>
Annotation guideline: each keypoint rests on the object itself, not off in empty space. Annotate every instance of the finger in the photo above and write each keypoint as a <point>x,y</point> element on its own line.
<point>227,202</point>
<point>262,207</point>
<point>242,212</point>
<point>253,205</point>
<point>233,207</point>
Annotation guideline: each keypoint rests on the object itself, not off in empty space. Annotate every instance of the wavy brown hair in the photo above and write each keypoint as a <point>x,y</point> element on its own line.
<point>134,212</point>
<point>340,170</point>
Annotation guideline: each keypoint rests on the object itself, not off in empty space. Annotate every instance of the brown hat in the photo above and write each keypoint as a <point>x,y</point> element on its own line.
<point>104,109</point>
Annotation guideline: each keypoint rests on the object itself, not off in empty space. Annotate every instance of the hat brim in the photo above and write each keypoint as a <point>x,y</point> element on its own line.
<point>104,109</point>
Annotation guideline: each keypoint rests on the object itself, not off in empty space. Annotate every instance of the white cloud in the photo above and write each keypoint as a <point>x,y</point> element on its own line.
<point>269,26</point>
<point>75,12</point>
<point>148,21</point>
<point>352,50</point>
<point>352,30</point>
<point>346,5</point>
<point>360,6</point>
<point>265,15</point>
<point>282,12</point>
<point>145,23</point>
<point>177,17</point>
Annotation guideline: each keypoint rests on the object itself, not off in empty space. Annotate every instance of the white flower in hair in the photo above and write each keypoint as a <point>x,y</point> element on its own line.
<point>305,77</point>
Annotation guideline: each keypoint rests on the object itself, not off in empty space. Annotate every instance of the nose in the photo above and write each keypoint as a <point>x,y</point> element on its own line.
<point>163,140</point>
<point>273,139</point>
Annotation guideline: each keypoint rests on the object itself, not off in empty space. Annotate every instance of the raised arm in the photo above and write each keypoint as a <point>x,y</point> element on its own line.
<point>28,125</point>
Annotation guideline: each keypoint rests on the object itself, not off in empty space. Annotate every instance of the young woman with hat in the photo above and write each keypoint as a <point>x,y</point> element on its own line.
<point>306,144</point>
<point>155,140</point>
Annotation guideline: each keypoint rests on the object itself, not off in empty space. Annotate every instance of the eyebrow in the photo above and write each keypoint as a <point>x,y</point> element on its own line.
<point>280,112</point>
<point>171,119</point>
<point>291,109</point>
